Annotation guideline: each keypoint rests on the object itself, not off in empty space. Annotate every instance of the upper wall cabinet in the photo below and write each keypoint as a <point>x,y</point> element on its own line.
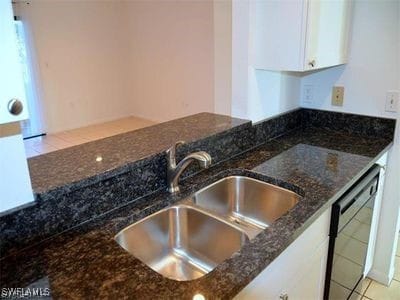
<point>299,35</point>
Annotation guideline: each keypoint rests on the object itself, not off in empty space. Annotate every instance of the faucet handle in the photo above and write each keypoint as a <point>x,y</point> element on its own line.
<point>171,153</point>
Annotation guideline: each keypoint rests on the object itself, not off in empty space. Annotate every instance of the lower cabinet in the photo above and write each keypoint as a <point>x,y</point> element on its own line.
<point>299,271</point>
<point>309,282</point>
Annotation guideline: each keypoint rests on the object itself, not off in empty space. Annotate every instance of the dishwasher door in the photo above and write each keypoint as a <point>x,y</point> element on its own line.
<point>351,247</point>
<point>349,236</point>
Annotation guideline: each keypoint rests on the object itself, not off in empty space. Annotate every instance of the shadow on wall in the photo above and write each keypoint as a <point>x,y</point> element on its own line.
<point>321,97</point>
<point>272,93</point>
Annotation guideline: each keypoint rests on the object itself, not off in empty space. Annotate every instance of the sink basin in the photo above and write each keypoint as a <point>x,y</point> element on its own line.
<point>181,242</point>
<point>246,201</point>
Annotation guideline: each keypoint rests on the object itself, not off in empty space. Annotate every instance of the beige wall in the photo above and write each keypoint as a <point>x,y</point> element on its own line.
<point>223,57</point>
<point>171,60</point>
<point>81,58</point>
<point>101,60</point>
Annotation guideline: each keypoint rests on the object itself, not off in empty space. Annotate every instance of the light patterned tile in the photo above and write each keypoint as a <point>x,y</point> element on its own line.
<point>346,272</point>
<point>110,131</point>
<point>44,148</point>
<point>338,292</point>
<point>56,142</point>
<point>355,296</point>
<point>350,248</point>
<point>132,123</point>
<point>397,268</point>
<point>356,229</point>
<point>364,215</point>
<point>377,291</point>
<point>73,137</point>
<point>363,285</point>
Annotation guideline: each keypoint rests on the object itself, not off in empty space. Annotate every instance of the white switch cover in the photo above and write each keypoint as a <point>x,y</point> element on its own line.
<point>392,101</point>
<point>308,94</point>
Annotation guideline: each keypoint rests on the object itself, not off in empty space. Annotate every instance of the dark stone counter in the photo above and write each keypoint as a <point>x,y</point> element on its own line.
<point>319,163</point>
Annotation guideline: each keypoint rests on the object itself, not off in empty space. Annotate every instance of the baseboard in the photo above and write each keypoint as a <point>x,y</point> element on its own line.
<point>382,277</point>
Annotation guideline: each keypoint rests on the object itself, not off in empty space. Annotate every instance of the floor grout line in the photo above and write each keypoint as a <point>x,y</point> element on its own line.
<point>348,259</point>
<point>84,134</point>
<point>369,284</point>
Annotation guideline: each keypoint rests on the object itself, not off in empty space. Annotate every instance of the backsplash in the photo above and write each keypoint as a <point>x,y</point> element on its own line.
<point>350,123</point>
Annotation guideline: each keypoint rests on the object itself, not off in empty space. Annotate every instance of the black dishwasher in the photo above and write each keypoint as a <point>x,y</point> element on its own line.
<point>349,236</point>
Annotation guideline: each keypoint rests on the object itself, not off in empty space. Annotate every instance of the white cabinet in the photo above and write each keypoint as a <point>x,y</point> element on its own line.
<point>309,282</point>
<point>299,35</point>
<point>15,184</point>
<point>12,93</point>
<point>298,272</point>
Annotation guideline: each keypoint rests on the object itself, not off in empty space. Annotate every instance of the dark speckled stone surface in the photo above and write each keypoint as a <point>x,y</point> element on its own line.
<point>68,167</point>
<point>72,187</point>
<point>314,153</point>
<point>350,123</point>
<point>86,263</point>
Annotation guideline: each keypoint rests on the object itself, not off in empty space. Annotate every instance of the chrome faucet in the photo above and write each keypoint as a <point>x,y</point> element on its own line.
<point>175,170</point>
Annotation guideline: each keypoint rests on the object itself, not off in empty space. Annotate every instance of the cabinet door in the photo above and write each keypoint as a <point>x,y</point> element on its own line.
<point>327,33</point>
<point>278,34</point>
<point>300,268</point>
<point>310,281</point>
<point>11,78</point>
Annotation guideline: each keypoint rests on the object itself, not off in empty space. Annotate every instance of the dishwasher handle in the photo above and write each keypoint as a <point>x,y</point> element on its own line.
<point>370,181</point>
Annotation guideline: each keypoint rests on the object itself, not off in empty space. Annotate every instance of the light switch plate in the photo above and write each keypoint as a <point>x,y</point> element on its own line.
<point>337,95</point>
<point>308,94</point>
<point>392,101</point>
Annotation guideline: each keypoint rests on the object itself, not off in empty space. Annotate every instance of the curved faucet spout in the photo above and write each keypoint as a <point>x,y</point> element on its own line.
<point>175,170</point>
<point>202,157</point>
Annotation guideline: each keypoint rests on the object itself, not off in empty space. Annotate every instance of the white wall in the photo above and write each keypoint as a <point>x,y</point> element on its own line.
<point>383,267</point>
<point>374,62</point>
<point>372,70</point>
<point>82,60</point>
<point>102,60</point>
<point>171,59</point>
<point>15,183</point>
<point>256,94</point>
<point>271,93</point>
<point>223,57</point>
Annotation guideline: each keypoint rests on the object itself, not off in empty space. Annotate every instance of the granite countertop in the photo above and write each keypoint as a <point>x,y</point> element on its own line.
<point>85,261</point>
<point>67,169</point>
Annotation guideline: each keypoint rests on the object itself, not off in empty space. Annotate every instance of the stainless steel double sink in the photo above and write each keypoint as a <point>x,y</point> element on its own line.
<point>188,240</point>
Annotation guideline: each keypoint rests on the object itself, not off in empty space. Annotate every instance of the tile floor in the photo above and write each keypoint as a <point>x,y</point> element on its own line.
<point>372,290</point>
<point>65,139</point>
<point>352,241</point>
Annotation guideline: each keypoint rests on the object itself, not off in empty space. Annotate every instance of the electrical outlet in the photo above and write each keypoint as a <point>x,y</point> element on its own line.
<point>392,101</point>
<point>337,95</point>
<point>308,94</point>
